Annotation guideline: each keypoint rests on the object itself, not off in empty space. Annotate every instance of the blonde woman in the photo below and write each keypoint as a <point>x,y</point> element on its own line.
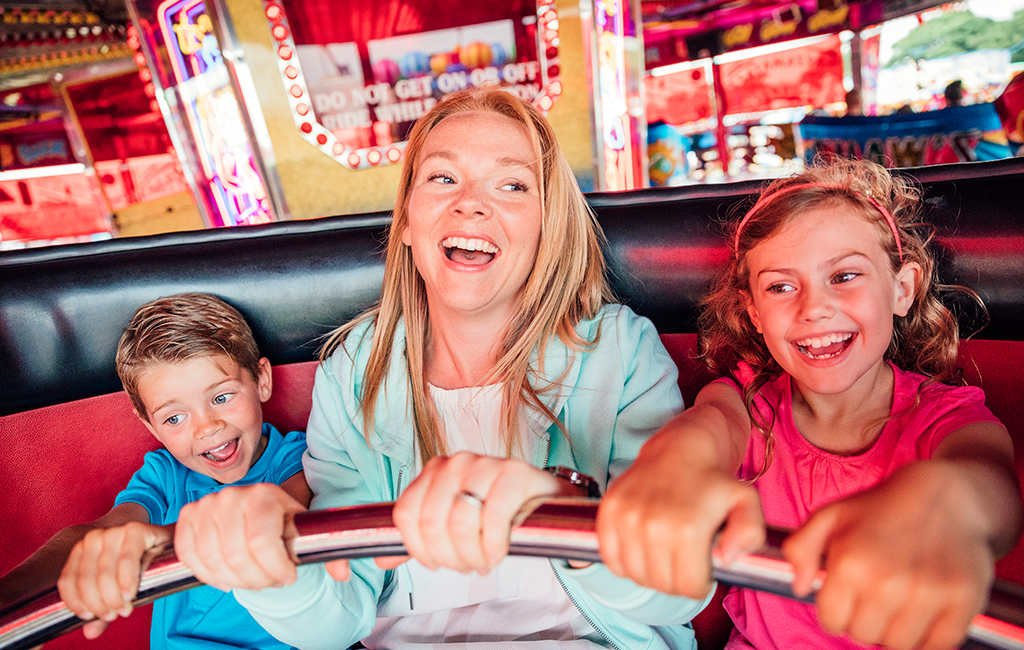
<point>495,352</point>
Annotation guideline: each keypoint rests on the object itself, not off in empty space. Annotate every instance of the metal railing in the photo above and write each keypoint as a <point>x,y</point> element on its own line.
<point>556,528</point>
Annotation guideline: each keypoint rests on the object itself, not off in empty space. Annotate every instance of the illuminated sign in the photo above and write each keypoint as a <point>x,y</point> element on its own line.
<point>233,180</point>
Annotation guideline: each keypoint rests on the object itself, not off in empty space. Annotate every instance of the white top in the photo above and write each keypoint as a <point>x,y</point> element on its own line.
<point>520,604</point>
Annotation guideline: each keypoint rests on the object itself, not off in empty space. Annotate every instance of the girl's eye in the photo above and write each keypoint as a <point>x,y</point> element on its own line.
<point>174,419</point>
<point>222,398</point>
<point>780,287</point>
<point>440,177</point>
<point>840,278</point>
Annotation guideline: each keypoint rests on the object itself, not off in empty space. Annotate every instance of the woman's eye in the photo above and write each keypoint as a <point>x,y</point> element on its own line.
<point>221,399</point>
<point>515,186</point>
<point>840,278</point>
<point>174,419</point>
<point>439,177</point>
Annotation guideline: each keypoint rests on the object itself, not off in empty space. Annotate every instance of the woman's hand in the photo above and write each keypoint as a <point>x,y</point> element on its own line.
<point>657,524</point>
<point>458,512</point>
<point>101,575</point>
<point>905,564</point>
<point>235,538</point>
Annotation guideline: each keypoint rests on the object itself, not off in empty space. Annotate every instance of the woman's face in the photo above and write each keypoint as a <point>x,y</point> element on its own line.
<point>475,215</point>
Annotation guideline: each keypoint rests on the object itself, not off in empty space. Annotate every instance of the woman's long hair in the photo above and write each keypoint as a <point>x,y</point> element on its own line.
<point>567,284</point>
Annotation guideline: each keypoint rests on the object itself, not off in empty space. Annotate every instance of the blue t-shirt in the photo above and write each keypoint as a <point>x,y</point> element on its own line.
<point>204,617</point>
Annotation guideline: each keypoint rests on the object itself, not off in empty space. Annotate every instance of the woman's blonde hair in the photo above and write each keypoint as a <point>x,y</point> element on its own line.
<point>567,284</point>
<point>924,341</point>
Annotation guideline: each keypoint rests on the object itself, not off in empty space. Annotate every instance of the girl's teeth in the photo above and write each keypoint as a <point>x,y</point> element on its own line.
<point>823,341</point>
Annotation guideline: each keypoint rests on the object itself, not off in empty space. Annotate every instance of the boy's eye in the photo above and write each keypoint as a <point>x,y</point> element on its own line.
<point>174,419</point>
<point>222,398</point>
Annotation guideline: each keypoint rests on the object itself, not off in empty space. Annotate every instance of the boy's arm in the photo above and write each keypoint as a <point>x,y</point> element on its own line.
<point>909,562</point>
<point>297,488</point>
<point>41,569</point>
<point>657,523</point>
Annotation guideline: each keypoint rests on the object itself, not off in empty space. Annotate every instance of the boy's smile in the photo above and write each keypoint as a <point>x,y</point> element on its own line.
<point>207,412</point>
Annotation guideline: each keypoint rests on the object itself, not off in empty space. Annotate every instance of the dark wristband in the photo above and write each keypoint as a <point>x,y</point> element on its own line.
<point>576,478</point>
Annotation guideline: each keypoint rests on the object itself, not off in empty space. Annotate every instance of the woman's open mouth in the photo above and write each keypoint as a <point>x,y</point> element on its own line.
<point>474,252</point>
<point>824,347</point>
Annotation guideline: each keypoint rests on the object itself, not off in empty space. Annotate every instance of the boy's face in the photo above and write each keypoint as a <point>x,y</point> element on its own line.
<point>207,412</point>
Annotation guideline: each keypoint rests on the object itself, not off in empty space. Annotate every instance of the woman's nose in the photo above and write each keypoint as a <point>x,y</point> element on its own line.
<point>472,200</point>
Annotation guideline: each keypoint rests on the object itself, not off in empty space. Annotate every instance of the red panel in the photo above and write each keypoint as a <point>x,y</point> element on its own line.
<point>811,75</point>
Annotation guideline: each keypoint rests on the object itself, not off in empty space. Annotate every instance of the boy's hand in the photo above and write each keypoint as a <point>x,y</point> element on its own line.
<point>235,538</point>
<point>905,564</point>
<point>101,575</point>
<point>657,524</point>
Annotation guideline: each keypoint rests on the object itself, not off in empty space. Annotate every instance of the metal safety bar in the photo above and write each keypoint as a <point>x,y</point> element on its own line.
<point>555,528</point>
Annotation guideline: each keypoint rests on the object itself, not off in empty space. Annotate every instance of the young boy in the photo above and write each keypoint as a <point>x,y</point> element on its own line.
<point>196,380</point>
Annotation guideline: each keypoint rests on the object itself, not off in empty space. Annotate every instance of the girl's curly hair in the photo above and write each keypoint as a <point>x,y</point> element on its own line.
<point>925,341</point>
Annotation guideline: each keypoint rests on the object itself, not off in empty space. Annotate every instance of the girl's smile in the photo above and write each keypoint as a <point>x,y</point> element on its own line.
<point>823,295</point>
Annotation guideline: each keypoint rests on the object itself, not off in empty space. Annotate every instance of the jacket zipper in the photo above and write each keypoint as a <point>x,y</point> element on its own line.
<point>404,568</point>
<point>579,609</point>
<point>585,615</point>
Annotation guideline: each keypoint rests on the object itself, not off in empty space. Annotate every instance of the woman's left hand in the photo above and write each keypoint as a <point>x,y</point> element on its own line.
<point>458,512</point>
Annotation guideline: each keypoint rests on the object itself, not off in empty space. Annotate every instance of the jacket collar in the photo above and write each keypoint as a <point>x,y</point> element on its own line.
<point>392,433</point>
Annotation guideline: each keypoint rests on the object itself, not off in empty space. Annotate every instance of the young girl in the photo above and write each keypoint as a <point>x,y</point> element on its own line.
<point>495,351</point>
<point>841,423</point>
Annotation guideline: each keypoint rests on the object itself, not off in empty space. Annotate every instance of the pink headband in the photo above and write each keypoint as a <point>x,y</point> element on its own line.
<point>765,200</point>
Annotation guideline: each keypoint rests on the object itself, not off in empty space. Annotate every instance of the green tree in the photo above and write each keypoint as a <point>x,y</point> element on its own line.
<point>958,32</point>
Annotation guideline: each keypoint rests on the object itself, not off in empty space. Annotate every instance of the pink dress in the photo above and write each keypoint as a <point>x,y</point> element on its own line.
<point>803,478</point>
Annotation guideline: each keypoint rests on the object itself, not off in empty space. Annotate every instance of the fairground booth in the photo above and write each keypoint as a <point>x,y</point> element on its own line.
<point>147,116</point>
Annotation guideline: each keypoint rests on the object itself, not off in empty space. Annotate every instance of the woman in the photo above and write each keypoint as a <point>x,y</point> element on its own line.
<point>494,352</point>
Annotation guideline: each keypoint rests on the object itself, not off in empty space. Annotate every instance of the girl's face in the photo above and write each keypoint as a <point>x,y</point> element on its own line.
<point>475,214</point>
<point>823,295</point>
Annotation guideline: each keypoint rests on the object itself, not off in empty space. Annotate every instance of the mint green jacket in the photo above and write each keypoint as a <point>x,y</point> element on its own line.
<point>612,398</point>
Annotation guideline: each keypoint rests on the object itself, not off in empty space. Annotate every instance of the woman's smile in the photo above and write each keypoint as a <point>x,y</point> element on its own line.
<point>474,215</point>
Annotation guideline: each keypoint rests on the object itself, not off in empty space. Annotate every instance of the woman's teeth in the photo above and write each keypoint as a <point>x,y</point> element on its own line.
<point>470,244</point>
<point>469,251</point>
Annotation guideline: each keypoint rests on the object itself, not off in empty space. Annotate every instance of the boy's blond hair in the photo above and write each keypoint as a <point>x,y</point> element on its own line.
<point>178,328</point>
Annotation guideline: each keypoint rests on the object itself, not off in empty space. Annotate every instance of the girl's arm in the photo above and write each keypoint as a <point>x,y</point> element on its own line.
<point>909,562</point>
<point>658,522</point>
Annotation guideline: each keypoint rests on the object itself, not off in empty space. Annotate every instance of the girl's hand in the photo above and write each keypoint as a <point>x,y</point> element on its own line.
<point>440,528</point>
<point>101,575</point>
<point>235,538</point>
<point>657,524</point>
<point>905,564</point>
